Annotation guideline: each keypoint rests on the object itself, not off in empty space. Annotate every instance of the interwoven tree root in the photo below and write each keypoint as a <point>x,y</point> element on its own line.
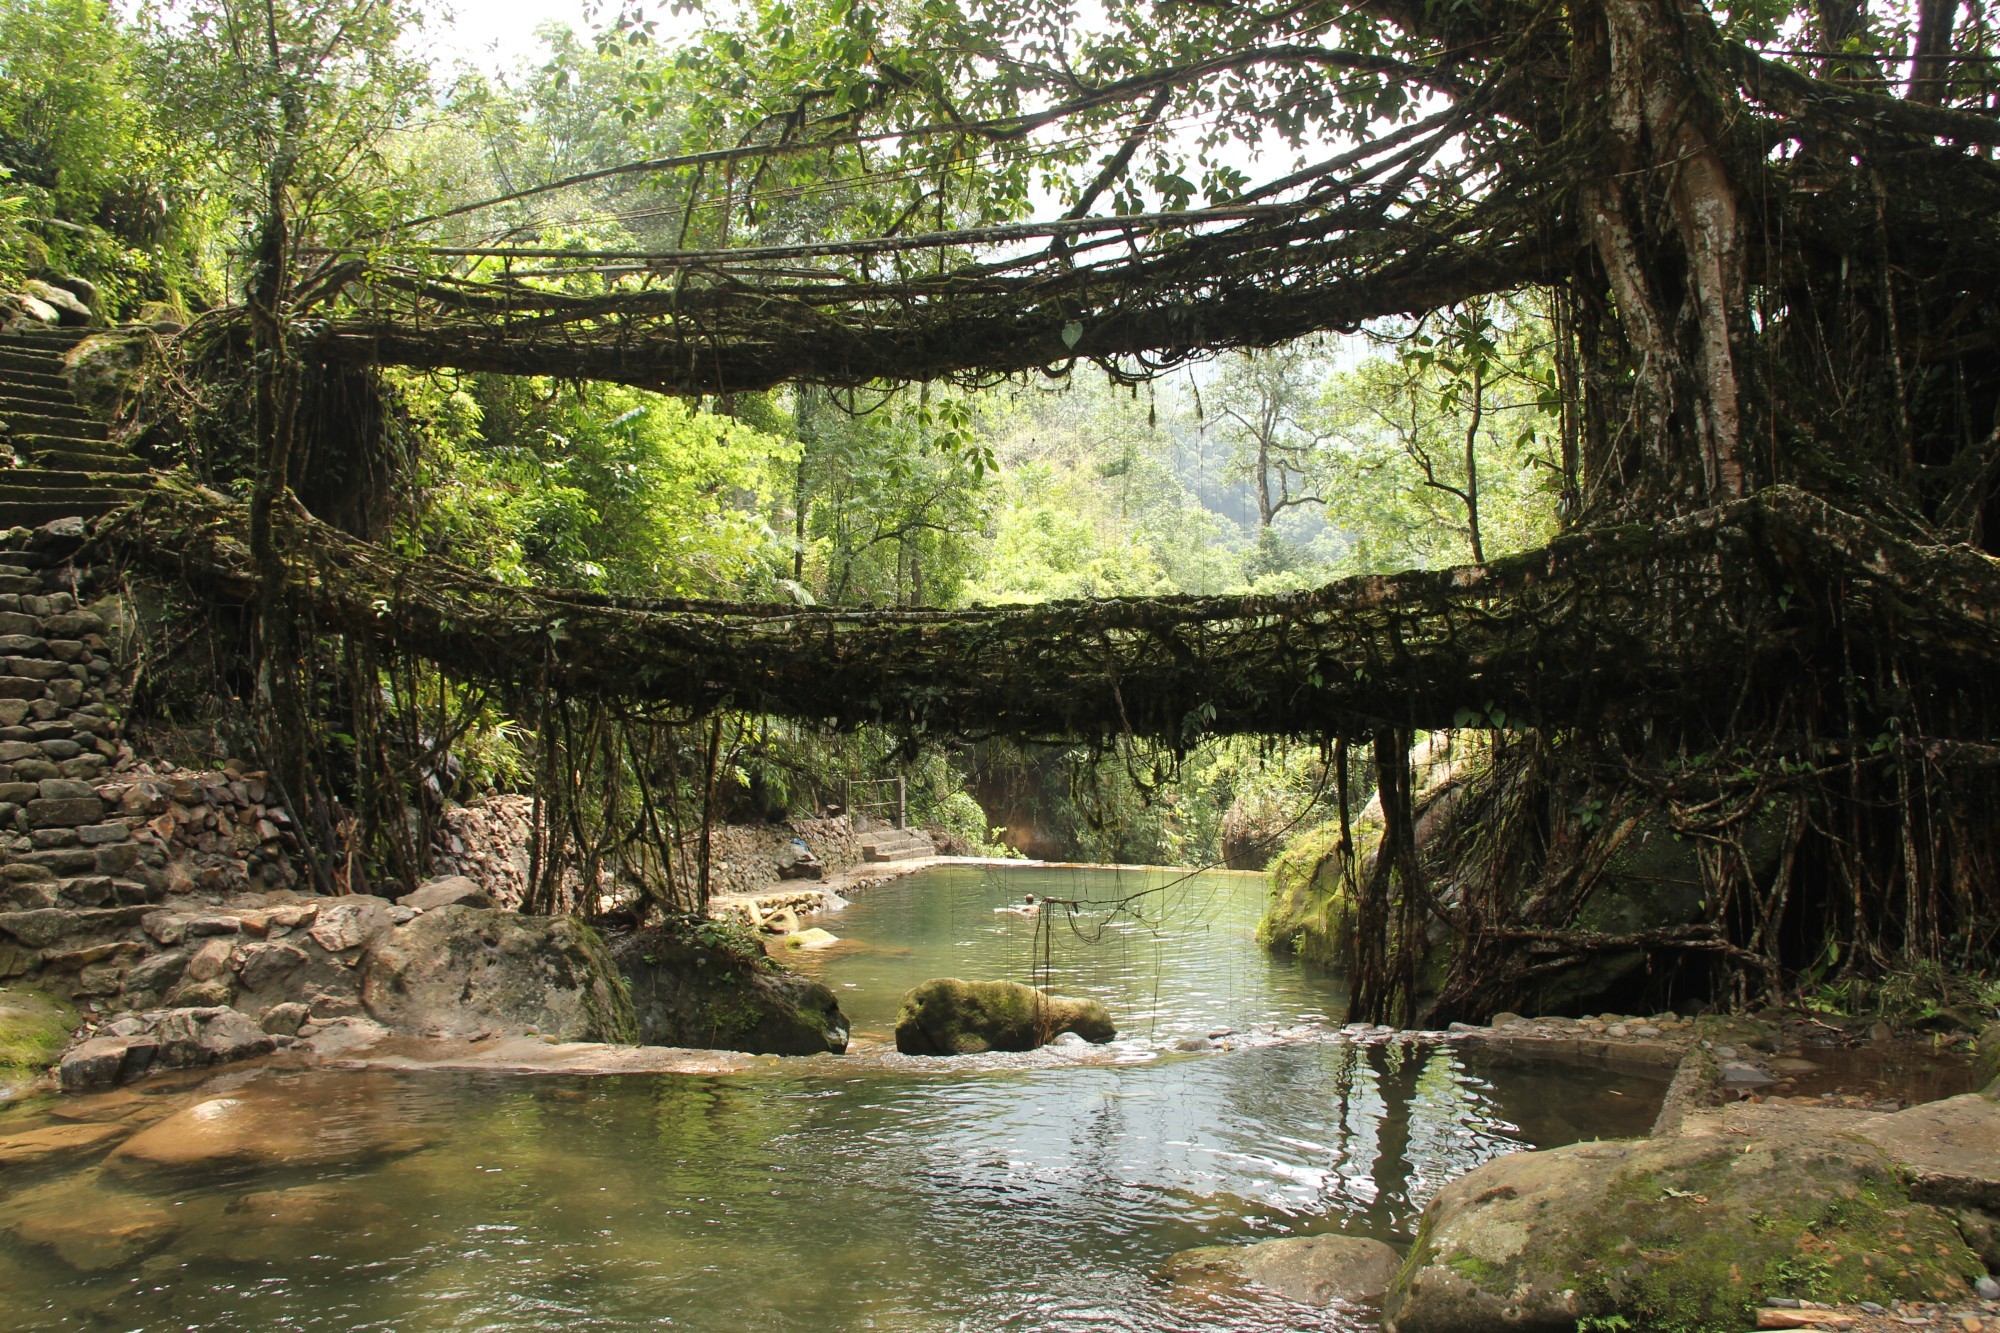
<point>1677,621</point>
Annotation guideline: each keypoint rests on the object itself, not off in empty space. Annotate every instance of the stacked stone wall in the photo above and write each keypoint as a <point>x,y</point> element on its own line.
<point>487,841</point>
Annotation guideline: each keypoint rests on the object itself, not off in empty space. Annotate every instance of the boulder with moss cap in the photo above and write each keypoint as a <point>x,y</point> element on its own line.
<point>946,1016</point>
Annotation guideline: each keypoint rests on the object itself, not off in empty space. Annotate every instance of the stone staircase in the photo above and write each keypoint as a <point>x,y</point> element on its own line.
<point>68,465</point>
<point>895,844</point>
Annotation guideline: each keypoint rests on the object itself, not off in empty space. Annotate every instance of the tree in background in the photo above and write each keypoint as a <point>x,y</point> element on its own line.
<point>1447,442</point>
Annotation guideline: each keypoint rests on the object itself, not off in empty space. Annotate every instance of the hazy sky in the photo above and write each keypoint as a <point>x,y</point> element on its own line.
<point>500,33</point>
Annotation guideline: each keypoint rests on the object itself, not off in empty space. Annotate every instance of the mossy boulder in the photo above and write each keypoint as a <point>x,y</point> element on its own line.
<point>946,1016</point>
<point>461,971</point>
<point>1675,1234</point>
<point>1310,912</point>
<point>709,985</point>
<point>102,370</point>
<point>34,1028</point>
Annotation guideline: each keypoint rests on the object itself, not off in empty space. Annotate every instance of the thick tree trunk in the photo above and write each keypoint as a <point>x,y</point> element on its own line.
<point>1662,214</point>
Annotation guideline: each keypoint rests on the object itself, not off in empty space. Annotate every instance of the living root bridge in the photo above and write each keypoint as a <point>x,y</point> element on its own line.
<point>1675,621</point>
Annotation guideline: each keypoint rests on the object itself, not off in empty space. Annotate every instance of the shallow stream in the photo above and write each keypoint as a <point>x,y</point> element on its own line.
<point>1036,1192</point>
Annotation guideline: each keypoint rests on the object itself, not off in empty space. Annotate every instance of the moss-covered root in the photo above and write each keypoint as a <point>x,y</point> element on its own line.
<point>34,1027</point>
<point>1676,1235</point>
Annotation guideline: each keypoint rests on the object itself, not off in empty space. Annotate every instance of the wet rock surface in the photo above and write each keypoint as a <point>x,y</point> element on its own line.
<point>946,1016</point>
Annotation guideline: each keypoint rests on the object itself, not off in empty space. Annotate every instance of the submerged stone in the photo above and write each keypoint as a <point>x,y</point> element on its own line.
<point>1311,1270</point>
<point>946,1016</point>
<point>90,1228</point>
<point>300,1124</point>
<point>50,1142</point>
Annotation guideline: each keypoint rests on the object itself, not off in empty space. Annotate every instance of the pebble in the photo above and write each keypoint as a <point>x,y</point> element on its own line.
<point>1988,1289</point>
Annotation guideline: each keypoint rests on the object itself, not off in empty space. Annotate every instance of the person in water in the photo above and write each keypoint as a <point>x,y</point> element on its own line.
<point>1026,907</point>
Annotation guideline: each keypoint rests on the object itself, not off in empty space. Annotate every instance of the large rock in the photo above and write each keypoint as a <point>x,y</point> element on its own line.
<point>104,1062</point>
<point>350,923</point>
<point>102,370</point>
<point>461,971</point>
<point>447,891</point>
<point>69,310</point>
<point>1672,1233</point>
<point>1949,1150</point>
<point>1312,1270</point>
<point>710,986</point>
<point>946,1016</point>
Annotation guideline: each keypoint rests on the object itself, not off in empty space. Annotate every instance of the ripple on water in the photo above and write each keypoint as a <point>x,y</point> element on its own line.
<point>1037,1192</point>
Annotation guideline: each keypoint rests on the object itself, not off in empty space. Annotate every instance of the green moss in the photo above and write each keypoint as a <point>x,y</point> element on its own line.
<point>1474,1269</point>
<point>34,1027</point>
<point>1671,1252</point>
<point>609,1010</point>
<point>1310,913</point>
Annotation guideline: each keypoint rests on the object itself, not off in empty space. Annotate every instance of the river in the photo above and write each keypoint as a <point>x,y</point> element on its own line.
<point>877,1192</point>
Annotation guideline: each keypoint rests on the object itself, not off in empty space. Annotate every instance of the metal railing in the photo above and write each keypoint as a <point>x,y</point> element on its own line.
<point>871,797</point>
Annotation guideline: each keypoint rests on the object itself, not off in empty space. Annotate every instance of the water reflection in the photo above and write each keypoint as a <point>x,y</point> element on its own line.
<point>1032,1198</point>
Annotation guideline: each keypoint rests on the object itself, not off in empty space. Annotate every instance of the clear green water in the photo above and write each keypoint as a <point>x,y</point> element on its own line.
<point>1171,954</point>
<point>1035,1192</point>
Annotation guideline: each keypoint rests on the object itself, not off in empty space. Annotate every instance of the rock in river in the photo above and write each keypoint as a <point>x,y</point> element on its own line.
<point>461,971</point>
<point>1312,1270</point>
<point>298,1123</point>
<point>47,1142</point>
<point>946,1016</point>
<point>704,987</point>
<point>1672,1233</point>
<point>89,1227</point>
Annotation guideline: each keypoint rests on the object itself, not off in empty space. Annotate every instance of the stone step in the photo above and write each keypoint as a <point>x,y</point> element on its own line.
<point>34,381</point>
<point>35,397</point>
<point>891,834</point>
<point>48,478</point>
<point>26,483</point>
<point>34,513</point>
<point>32,366</point>
<point>85,460</point>
<point>31,442</point>
<point>54,427</point>
<point>60,340</point>
<point>876,855</point>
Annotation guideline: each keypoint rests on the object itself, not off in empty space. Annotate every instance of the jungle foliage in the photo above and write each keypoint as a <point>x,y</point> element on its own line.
<point>1684,337</point>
